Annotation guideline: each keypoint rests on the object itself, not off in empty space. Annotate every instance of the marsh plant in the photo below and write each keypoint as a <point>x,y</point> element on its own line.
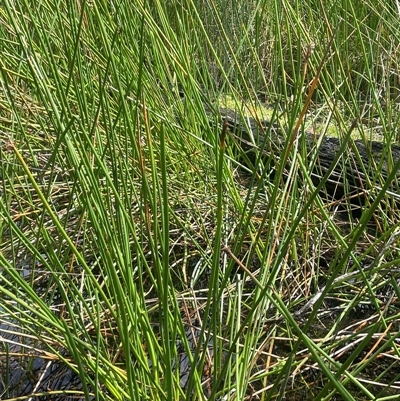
<point>146,254</point>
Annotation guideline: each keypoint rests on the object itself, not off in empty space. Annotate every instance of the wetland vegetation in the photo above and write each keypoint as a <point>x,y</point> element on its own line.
<point>152,248</point>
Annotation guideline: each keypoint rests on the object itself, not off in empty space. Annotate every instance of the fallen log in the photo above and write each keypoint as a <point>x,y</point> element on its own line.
<point>358,173</point>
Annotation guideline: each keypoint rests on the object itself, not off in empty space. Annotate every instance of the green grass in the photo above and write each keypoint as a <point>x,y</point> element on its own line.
<point>144,255</point>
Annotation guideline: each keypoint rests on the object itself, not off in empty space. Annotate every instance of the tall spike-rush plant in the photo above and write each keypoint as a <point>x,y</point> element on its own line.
<point>143,252</point>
